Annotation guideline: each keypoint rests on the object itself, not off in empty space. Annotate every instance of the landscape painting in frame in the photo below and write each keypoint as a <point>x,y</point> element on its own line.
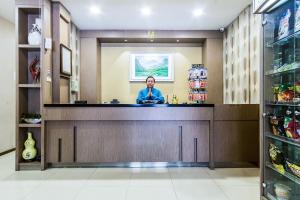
<point>157,65</point>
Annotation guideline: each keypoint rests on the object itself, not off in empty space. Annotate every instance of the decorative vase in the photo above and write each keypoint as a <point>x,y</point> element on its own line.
<point>30,151</point>
<point>35,34</point>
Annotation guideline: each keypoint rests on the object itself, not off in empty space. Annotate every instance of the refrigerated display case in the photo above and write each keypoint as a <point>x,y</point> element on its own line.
<point>280,160</point>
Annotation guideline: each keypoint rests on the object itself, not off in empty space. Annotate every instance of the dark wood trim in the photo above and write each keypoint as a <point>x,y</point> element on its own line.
<point>236,165</point>
<point>7,151</point>
<point>59,149</point>
<point>180,143</point>
<point>211,145</point>
<point>75,144</point>
<point>195,149</point>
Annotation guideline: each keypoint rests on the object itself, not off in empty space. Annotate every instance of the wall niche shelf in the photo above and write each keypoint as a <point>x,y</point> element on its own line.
<point>29,85</point>
<point>23,125</point>
<point>28,46</point>
<point>34,165</point>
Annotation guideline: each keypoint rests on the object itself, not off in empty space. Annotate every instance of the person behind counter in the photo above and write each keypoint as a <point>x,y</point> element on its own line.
<point>150,94</point>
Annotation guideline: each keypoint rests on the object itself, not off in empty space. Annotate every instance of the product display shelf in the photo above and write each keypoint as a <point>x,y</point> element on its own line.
<point>288,71</point>
<point>283,40</point>
<point>288,175</point>
<point>284,139</point>
<point>289,104</point>
<point>198,83</point>
<point>271,197</point>
<point>281,100</point>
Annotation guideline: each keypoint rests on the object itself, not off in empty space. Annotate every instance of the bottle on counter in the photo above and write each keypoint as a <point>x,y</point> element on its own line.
<point>174,99</point>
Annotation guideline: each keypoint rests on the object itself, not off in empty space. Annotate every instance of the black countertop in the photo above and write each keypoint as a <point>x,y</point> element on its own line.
<point>129,105</point>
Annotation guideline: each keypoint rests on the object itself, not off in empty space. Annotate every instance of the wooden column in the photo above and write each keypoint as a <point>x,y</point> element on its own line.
<point>213,60</point>
<point>90,70</point>
<point>61,27</point>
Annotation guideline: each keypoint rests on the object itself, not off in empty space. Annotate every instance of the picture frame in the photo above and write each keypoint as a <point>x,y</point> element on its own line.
<point>158,65</point>
<point>65,60</point>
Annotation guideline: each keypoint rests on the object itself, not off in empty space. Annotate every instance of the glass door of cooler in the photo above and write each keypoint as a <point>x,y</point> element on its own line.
<point>281,82</point>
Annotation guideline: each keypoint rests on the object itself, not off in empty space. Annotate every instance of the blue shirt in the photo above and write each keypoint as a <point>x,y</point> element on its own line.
<point>156,95</point>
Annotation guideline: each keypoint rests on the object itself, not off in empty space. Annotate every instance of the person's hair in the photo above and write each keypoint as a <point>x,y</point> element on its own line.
<point>150,77</point>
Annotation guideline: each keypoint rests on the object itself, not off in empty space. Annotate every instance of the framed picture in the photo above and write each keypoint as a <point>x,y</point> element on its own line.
<point>158,65</point>
<point>65,60</point>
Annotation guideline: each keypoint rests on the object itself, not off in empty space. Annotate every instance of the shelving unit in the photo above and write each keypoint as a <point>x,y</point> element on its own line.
<point>271,197</point>
<point>283,139</point>
<point>286,174</point>
<point>281,94</point>
<point>30,95</point>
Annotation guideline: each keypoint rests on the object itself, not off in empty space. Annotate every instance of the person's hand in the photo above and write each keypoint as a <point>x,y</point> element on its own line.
<point>150,92</point>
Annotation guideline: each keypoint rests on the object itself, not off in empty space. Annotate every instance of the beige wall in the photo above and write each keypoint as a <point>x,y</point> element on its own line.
<point>115,63</point>
<point>7,85</point>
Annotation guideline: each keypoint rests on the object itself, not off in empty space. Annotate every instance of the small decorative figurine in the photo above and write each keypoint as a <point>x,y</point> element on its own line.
<point>35,70</point>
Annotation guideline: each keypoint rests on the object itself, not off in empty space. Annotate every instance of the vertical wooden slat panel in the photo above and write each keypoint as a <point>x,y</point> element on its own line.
<point>255,26</point>
<point>241,59</point>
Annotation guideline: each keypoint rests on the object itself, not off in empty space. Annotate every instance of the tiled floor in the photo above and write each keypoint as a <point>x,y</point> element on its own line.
<point>129,184</point>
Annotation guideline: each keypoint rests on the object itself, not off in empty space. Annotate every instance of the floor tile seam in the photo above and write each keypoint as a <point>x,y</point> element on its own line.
<point>173,186</point>
<point>220,187</point>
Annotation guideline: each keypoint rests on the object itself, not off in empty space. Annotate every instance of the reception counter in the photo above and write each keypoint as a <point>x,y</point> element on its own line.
<point>137,135</point>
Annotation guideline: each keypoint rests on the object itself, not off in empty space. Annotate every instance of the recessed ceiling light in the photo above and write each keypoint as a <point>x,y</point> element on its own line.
<point>125,40</point>
<point>95,10</point>
<point>146,11</point>
<point>177,40</point>
<point>198,12</point>
<point>151,40</point>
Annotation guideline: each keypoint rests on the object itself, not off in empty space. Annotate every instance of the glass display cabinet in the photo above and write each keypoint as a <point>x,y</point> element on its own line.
<point>281,102</point>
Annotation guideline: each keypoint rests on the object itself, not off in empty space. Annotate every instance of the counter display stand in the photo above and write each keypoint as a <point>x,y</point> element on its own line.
<point>197,83</point>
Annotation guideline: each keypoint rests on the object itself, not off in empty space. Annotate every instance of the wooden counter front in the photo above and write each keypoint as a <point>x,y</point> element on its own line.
<point>91,135</point>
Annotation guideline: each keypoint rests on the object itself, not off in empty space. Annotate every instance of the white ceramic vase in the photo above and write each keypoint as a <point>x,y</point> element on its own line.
<point>35,36</point>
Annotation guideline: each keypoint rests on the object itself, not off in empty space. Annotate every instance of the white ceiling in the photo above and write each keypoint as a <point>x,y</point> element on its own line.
<point>167,14</point>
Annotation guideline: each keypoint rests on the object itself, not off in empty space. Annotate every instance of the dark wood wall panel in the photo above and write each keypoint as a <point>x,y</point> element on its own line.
<point>198,130</point>
<point>127,141</point>
<point>236,141</point>
<point>63,132</point>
